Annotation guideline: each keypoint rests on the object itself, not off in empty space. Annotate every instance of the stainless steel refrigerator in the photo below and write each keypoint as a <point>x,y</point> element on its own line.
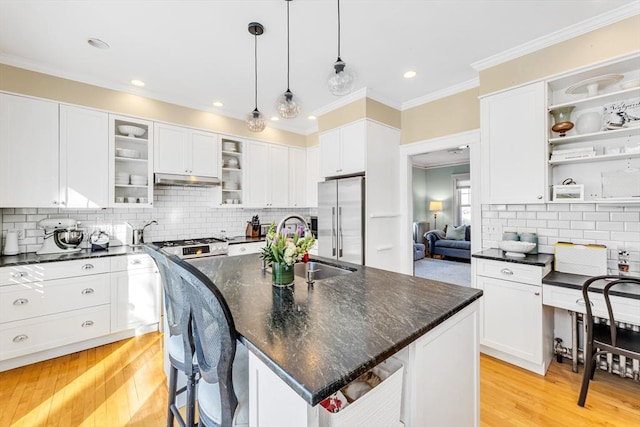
<point>341,219</point>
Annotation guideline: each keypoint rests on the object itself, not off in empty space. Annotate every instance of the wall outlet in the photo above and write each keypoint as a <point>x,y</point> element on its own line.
<point>20,234</point>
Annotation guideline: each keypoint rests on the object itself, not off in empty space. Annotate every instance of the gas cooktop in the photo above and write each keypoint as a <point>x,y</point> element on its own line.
<point>195,248</point>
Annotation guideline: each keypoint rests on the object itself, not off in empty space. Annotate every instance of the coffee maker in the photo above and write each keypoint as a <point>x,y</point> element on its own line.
<point>61,235</point>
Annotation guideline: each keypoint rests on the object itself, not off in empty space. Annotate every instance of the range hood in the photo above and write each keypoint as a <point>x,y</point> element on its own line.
<point>185,180</point>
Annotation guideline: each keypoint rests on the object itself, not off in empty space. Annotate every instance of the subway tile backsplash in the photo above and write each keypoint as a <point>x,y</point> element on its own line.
<point>617,227</point>
<point>181,212</point>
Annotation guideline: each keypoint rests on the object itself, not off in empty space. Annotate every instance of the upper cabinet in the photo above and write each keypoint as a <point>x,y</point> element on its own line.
<point>179,150</point>
<point>131,161</point>
<point>513,145</point>
<point>267,175</point>
<point>28,152</point>
<point>599,108</point>
<point>84,154</point>
<point>313,176</point>
<point>298,177</point>
<point>342,150</point>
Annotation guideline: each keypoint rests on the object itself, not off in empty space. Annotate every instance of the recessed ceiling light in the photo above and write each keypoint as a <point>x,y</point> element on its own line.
<point>97,43</point>
<point>137,82</point>
<point>311,117</point>
<point>275,119</point>
<point>218,104</point>
<point>409,74</point>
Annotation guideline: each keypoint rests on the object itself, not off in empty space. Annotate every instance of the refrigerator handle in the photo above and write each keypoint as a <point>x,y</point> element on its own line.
<point>333,231</point>
<point>340,231</point>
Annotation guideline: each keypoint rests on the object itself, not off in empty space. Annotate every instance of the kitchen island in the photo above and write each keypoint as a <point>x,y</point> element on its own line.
<point>306,342</point>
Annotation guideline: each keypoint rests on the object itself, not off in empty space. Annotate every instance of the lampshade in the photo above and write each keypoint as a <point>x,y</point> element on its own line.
<point>255,120</point>
<point>341,79</point>
<point>286,105</point>
<point>435,206</point>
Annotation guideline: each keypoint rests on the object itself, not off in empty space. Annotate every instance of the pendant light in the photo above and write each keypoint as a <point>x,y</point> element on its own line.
<point>255,119</point>
<point>341,79</point>
<point>287,107</point>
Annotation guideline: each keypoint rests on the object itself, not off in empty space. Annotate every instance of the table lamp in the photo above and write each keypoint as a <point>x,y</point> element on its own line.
<point>435,207</point>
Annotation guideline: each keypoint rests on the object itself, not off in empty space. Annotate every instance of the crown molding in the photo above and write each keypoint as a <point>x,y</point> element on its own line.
<point>341,102</point>
<point>372,94</point>
<point>442,93</point>
<point>565,34</point>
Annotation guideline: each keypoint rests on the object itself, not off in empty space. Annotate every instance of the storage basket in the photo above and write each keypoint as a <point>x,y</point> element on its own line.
<point>379,407</point>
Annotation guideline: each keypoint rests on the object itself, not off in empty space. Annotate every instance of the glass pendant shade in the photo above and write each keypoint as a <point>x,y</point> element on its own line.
<point>341,78</point>
<point>287,106</point>
<point>255,121</point>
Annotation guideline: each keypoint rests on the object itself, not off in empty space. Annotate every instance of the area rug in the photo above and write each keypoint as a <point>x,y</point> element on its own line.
<point>458,273</point>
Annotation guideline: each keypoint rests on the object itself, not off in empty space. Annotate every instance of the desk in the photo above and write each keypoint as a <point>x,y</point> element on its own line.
<point>564,290</point>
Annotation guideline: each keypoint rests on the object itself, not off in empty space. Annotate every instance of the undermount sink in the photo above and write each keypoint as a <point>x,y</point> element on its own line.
<point>319,270</point>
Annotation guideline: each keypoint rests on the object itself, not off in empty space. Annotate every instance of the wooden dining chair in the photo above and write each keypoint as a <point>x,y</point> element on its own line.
<point>606,337</point>
<point>180,347</point>
<point>223,390</point>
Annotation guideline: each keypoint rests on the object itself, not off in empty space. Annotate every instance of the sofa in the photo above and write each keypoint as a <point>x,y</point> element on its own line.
<point>450,245</point>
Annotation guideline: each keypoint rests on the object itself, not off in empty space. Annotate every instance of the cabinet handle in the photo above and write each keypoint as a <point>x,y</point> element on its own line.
<point>19,274</point>
<point>20,338</point>
<point>62,203</point>
<point>506,271</point>
<point>55,202</point>
<point>136,261</point>
<point>87,323</point>
<point>87,291</point>
<point>539,197</point>
<point>87,267</point>
<point>537,294</point>
<point>580,301</point>
<point>21,301</point>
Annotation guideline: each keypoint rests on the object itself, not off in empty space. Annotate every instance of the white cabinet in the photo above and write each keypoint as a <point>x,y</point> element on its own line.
<point>267,175</point>
<point>313,176</point>
<point>602,144</point>
<point>233,180</point>
<point>84,158</point>
<point>512,127</point>
<point>179,150</point>
<point>28,152</point>
<point>131,162</point>
<point>342,150</point>
<point>297,178</point>
<point>514,325</point>
<point>135,287</point>
<point>245,248</point>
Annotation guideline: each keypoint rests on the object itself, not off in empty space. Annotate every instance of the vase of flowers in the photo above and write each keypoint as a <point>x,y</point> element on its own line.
<point>283,250</point>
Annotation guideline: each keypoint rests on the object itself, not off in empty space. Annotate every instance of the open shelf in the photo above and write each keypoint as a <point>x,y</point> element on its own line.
<point>600,158</point>
<point>616,133</point>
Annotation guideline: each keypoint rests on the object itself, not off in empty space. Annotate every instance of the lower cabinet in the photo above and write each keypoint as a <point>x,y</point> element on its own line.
<point>245,248</point>
<point>514,324</point>
<point>135,293</point>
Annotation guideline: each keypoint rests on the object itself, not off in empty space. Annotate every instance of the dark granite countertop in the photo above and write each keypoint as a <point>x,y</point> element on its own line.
<point>575,281</point>
<point>539,260</point>
<point>33,258</point>
<point>244,239</point>
<point>321,338</point>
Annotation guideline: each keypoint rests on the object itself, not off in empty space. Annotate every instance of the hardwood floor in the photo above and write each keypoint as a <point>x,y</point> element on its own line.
<point>123,384</point>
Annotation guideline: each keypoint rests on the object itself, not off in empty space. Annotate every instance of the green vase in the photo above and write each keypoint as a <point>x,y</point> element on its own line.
<point>281,274</point>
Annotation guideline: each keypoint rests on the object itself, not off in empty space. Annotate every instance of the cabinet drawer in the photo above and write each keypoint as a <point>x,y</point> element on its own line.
<point>38,272</point>
<point>52,296</point>
<point>624,309</point>
<point>245,248</point>
<point>32,335</point>
<point>132,262</point>
<point>522,273</point>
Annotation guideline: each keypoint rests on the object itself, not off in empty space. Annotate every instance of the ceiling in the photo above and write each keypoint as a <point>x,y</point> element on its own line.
<point>453,156</point>
<point>192,53</point>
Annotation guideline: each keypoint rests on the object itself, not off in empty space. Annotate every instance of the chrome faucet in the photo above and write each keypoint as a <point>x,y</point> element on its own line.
<point>307,230</point>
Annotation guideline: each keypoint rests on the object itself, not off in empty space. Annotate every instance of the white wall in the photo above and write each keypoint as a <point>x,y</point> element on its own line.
<point>181,212</point>
<point>617,227</point>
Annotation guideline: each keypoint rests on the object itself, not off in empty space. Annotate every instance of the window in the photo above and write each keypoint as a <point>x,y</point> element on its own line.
<point>462,198</point>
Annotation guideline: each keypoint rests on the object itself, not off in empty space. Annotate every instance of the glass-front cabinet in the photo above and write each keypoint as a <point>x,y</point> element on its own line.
<point>232,170</point>
<point>131,162</point>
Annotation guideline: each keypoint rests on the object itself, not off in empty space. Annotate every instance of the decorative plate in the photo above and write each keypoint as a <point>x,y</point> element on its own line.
<point>592,85</point>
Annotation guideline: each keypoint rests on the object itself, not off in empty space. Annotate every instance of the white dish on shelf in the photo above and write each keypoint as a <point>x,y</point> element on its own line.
<point>122,182</point>
<point>229,146</point>
<point>119,199</point>
<point>630,84</point>
<point>127,153</point>
<point>131,131</point>
<point>592,85</point>
<point>138,180</point>
<point>516,249</point>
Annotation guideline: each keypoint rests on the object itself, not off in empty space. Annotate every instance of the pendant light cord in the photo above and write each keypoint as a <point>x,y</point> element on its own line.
<point>255,63</point>
<point>338,29</point>
<point>288,48</point>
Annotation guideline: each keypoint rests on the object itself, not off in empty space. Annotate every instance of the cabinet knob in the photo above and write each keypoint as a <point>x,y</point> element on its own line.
<point>87,323</point>
<point>87,291</point>
<point>20,338</point>
<point>87,267</point>
<point>539,197</point>
<point>62,203</point>
<point>21,301</point>
<point>506,271</point>
<point>243,249</point>
<point>536,294</point>
<point>136,261</point>
<point>19,274</point>
<point>55,202</point>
